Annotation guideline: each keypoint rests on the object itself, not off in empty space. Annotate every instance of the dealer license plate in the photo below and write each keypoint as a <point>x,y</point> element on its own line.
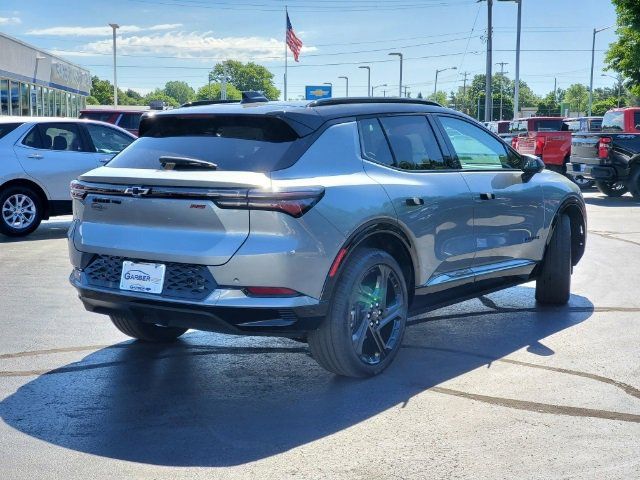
<point>142,277</point>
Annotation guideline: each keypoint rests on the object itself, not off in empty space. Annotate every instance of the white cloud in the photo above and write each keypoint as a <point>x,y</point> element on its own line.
<point>189,45</point>
<point>103,31</point>
<point>10,20</point>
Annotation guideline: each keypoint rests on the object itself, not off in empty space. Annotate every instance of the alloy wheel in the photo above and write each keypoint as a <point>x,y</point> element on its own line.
<point>19,211</point>
<point>377,310</point>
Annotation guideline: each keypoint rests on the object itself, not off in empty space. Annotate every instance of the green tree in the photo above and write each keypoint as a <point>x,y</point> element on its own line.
<point>101,91</point>
<point>440,97</point>
<point>180,91</point>
<point>600,107</point>
<point>212,92</point>
<point>623,55</point>
<point>160,94</point>
<point>134,97</point>
<point>549,105</point>
<point>577,96</point>
<point>246,76</point>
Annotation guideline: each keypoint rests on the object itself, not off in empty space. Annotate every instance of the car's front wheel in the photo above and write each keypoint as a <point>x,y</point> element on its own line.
<point>553,285</point>
<point>611,189</point>
<point>365,325</point>
<point>21,211</point>
<point>147,332</point>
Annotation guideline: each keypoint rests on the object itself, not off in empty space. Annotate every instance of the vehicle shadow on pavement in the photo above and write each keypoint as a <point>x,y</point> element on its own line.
<point>214,400</point>
<point>604,201</point>
<point>50,230</point>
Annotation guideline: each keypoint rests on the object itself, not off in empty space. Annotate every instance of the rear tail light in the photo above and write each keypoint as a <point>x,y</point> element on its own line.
<point>540,141</point>
<point>294,202</point>
<point>604,146</point>
<point>271,292</point>
<point>78,190</point>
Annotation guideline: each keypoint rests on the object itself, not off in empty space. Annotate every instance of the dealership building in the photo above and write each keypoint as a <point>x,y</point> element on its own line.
<point>36,83</point>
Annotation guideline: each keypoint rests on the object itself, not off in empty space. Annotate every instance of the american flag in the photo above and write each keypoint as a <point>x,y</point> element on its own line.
<point>294,43</point>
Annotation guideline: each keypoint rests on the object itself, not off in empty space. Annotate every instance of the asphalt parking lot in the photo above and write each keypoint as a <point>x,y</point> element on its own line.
<point>491,388</point>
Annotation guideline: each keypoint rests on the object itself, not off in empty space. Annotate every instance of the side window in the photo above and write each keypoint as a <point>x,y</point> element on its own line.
<point>636,120</point>
<point>413,143</point>
<point>61,136</point>
<point>130,121</point>
<point>373,142</point>
<point>33,139</point>
<point>475,148</point>
<point>107,140</point>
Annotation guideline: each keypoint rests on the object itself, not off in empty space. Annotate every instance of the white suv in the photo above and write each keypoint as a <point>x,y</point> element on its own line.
<point>38,159</point>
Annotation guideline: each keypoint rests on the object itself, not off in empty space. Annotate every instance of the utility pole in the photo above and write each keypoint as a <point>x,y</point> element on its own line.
<point>555,89</point>
<point>398,54</point>
<point>464,91</point>
<point>502,72</point>
<point>488,101</point>
<point>114,27</point>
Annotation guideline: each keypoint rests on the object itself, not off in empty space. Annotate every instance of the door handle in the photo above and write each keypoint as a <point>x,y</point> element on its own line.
<point>414,201</point>
<point>487,196</point>
<point>35,155</point>
<point>103,161</point>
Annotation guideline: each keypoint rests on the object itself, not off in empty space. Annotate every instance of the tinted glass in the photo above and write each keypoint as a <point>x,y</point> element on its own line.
<point>59,136</point>
<point>107,140</point>
<point>547,125</point>
<point>373,142</point>
<point>232,142</point>
<point>413,143</point>
<point>33,139</point>
<point>100,116</point>
<point>130,121</point>
<point>613,122</point>
<point>636,120</point>
<point>8,127</point>
<point>475,148</point>
<point>15,98</point>
<point>595,125</point>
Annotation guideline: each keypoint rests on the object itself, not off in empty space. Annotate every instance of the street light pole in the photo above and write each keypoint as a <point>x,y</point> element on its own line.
<point>435,84</point>
<point>368,79</point>
<point>377,86</point>
<point>347,84</point>
<point>488,101</point>
<point>114,27</point>
<point>593,54</point>
<point>398,54</point>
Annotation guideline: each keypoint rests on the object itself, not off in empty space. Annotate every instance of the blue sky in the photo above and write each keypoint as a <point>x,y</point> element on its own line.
<point>162,40</point>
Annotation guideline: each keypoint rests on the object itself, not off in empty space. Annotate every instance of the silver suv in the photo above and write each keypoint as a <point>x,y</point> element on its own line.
<point>329,222</point>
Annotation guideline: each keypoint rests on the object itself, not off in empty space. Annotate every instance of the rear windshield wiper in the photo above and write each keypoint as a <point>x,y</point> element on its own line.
<point>185,163</point>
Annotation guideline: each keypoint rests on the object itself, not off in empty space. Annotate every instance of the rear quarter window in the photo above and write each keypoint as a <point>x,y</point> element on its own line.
<point>6,128</point>
<point>232,142</point>
<point>613,122</point>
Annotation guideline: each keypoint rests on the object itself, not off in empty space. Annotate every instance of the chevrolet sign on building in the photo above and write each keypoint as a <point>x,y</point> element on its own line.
<point>313,92</point>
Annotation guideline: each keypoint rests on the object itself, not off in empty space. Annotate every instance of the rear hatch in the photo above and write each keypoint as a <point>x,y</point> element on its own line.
<point>135,207</point>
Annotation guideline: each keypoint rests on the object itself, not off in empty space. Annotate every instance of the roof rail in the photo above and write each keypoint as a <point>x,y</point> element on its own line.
<point>196,103</point>
<point>322,102</point>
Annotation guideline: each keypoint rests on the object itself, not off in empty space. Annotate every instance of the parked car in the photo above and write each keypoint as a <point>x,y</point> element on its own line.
<point>329,222</point>
<point>126,118</point>
<point>545,137</point>
<point>579,126</point>
<point>610,157</point>
<point>38,159</point>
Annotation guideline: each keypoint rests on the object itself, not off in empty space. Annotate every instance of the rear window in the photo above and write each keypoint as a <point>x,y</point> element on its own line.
<point>548,125</point>
<point>232,142</point>
<point>130,121</point>
<point>99,116</point>
<point>613,122</point>
<point>595,125</point>
<point>8,127</point>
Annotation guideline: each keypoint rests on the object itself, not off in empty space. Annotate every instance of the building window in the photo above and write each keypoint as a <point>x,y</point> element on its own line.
<point>39,101</point>
<point>4,97</point>
<point>15,98</point>
<point>24,99</point>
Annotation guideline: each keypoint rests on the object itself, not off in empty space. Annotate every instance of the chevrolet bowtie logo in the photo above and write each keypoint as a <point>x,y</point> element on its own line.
<point>137,191</point>
<point>318,92</point>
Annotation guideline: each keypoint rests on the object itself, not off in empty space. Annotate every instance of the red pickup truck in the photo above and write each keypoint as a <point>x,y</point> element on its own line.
<point>546,137</point>
<point>127,118</point>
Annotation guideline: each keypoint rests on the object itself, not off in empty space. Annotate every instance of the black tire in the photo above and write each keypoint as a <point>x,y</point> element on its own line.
<point>146,332</point>
<point>611,189</point>
<point>583,183</point>
<point>634,183</point>
<point>332,345</point>
<point>34,213</point>
<point>553,286</point>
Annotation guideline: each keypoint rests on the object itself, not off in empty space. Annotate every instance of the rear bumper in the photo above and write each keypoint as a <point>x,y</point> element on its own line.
<point>597,172</point>
<point>287,317</point>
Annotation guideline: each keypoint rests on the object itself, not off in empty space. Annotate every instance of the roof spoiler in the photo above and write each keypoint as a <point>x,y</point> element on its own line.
<point>253,97</point>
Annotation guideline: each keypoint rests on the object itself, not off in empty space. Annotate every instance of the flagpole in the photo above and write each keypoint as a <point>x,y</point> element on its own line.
<point>286,14</point>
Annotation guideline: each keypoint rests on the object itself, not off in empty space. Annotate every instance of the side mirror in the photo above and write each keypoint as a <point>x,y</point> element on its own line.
<point>532,165</point>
